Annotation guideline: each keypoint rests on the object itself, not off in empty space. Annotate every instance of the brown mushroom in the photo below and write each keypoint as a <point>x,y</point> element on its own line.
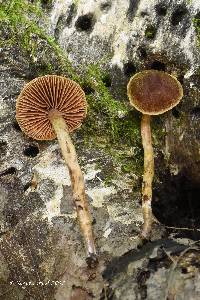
<point>52,106</point>
<point>152,93</point>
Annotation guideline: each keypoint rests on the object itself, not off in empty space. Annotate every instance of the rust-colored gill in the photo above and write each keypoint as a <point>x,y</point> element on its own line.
<point>46,93</point>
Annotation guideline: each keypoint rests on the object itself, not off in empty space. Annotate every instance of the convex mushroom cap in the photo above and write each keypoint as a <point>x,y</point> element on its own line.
<point>51,106</point>
<point>154,92</point>
<point>46,95</point>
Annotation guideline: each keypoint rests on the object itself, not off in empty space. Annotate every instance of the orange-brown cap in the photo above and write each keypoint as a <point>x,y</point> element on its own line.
<point>45,94</point>
<point>154,92</point>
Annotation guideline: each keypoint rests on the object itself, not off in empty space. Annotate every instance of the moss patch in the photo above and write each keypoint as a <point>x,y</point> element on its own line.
<point>110,122</point>
<point>20,27</point>
<point>150,32</point>
<point>196,21</point>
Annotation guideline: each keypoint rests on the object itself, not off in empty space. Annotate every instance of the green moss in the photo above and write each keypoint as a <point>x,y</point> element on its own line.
<point>75,2</point>
<point>19,21</point>
<point>113,117</point>
<point>104,124</point>
<point>196,22</point>
<point>150,32</point>
<point>110,122</point>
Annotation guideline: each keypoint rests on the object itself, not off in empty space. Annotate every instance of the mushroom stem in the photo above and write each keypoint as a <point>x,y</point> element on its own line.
<point>148,175</point>
<point>77,180</point>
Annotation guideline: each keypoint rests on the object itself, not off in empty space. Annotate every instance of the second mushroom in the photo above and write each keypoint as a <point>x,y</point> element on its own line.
<point>53,106</point>
<point>151,92</point>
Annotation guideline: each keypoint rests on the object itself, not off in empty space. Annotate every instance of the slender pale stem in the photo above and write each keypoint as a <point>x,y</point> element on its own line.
<point>77,180</point>
<point>148,175</point>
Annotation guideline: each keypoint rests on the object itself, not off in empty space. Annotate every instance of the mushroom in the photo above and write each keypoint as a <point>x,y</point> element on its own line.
<point>53,106</point>
<point>151,92</point>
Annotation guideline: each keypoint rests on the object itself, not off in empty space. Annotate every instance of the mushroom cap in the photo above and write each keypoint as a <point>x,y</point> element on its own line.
<point>45,94</point>
<point>154,92</point>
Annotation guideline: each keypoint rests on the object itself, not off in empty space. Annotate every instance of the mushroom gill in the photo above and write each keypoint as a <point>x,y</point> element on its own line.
<point>52,106</point>
<point>45,95</point>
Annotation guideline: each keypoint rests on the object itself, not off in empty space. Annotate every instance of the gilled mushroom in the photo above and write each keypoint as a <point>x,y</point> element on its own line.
<point>52,106</point>
<point>152,93</point>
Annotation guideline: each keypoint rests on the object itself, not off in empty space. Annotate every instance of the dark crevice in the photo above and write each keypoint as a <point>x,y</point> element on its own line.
<point>107,80</point>
<point>129,69</point>
<point>9,171</point>
<point>144,13</point>
<point>178,15</point>
<point>180,78</point>
<point>16,126</point>
<point>195,113</point>
<point>85,22</point>
<point>176,113</point>
<point>46,4</point>
<point>105,6</point>
<point>161,9</point>
<point>160,261</point>
<point>31,151</point>
<point>94,221</point>
<point>71,13</point>
<point>158,65</point>
<point>79,207</point>
<point>133,6</point>
<point>176,203</point>
<point>3,148</point>
<point>197,16</point>
<point>197,20</point>
<point>141,278</point>
<point>88,89</point>
<point>184,270</point>
<point>64,20</point>
<point>12,218</point>
<point>107,294</point>
<point>142,52</point>
<point>27,186</point>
